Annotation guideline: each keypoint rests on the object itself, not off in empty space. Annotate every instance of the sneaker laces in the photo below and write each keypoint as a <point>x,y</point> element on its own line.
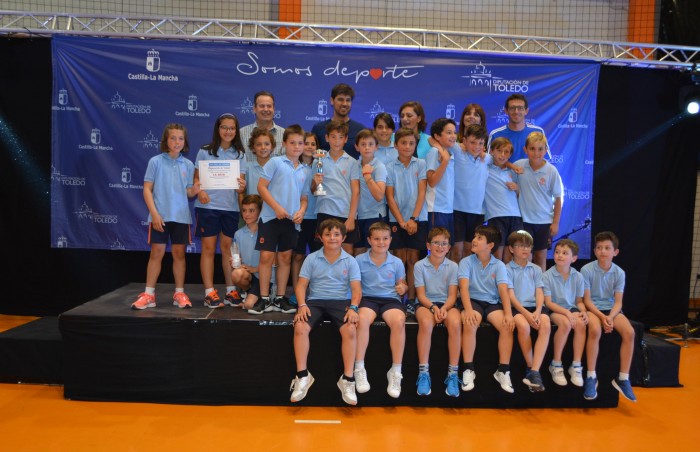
<point>395,380</point>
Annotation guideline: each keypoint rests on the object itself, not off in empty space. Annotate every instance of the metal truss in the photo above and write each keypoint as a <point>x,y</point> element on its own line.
<point>17,23</point>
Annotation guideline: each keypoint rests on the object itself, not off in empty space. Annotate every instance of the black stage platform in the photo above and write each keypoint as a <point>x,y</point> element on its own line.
<point>226,356</point>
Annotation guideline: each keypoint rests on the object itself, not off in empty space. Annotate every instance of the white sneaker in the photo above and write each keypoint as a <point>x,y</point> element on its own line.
<point>394,386</point>
<point>347,389</point>
<point>503,378</point>
<point>558,375</point>
<point>576,374</point>
<point>361,383</point>
<point>468,377</point>
<point>300,386</point>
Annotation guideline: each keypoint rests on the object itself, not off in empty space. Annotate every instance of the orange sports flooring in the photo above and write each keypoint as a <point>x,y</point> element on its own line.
<point>38,418</point>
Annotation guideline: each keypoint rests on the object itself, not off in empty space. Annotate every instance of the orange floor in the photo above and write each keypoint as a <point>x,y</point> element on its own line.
<point>37,418</point>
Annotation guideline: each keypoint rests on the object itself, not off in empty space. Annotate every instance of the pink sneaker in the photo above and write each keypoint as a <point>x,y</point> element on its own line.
<point>144,301</point>
<point>181,300</point>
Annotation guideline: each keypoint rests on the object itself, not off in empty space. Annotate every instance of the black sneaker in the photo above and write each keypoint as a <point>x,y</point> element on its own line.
<point>285,306</point>
<point>259,306</point>
<point>273,305</point>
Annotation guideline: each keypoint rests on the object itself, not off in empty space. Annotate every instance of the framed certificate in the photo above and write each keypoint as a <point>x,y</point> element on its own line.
<point>219,174</point>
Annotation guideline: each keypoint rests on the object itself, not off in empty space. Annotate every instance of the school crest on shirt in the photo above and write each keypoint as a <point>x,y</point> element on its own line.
<point>542,181</point>
<point>262,240</point>
<point>394,229</point>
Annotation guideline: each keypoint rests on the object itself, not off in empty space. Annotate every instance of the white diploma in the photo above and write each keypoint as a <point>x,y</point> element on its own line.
<point>219,174</point>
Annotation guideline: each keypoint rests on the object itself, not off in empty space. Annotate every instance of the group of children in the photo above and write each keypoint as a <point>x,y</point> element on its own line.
<point>350,277</point>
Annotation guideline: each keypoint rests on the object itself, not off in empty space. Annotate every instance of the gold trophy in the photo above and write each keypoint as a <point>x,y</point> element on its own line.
<point>319,155</point>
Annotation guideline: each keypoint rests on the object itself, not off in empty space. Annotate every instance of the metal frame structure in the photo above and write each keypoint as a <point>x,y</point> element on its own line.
<point>646,55</point>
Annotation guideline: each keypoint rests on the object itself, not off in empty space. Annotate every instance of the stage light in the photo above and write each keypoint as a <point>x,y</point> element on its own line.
<point>692,106</point>
<point>689,99</point>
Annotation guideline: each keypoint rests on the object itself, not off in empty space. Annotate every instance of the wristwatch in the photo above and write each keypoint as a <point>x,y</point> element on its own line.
<point>414,219</point>
<point>353,307</point>
<point>432,308</point>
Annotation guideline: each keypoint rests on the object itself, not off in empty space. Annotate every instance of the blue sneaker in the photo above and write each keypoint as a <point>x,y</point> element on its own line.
<point>423,383</point>
<point>452,382</point>
<point>625,388</point>
<point>589,388</point>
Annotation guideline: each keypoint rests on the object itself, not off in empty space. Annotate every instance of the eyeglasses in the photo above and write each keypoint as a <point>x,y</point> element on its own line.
<point>440,243</point>
<point>227,128</point>
<point>516,108</point>
<point>523,246</point>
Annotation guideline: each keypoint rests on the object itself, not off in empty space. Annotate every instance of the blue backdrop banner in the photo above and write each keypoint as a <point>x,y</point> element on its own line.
<point>112,98</point>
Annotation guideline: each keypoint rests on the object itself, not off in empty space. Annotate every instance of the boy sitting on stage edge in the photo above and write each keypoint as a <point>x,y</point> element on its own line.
<point>383,286</point>
<point>483,286</point>
<point>604,283</point>
<point>332,278</point>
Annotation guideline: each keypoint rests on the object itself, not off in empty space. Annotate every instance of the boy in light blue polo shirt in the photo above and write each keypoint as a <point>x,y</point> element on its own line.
<point>405,195</point>
<point>501,198</point>
<point>341,180</point>
<point>284,190</point>
<point>436,289</point>
<point>383,286</point>
<point>372,205</point>
<point>483,286</point>
<point>604,284</point>
<point>563,295</point>
<point>440,162</point>
<point>471,170</point>
<point>540,196</point>
<point>332,278</point>
<point>525,287</point>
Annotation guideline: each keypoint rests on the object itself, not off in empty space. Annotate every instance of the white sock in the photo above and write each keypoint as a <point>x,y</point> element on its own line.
<point>151,290</point>
<point>208,291</point>
<point>359,365</point>
<point>230,289</point>
<point>623,376</point>
<point>396,368</point>
<point>591,374</point>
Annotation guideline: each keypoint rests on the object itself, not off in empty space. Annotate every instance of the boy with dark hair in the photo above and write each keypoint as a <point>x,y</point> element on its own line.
<point>604,284</point>
<point>341,179</point>
<point>440,163</point>
<point>483,286</point>
<point>332,278</point>
<point>471,170</point>
<point>284,190</point>
<point>405,195</point>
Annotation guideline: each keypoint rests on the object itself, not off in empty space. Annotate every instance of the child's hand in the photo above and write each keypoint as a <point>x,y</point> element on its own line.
<point>608,324</point>
<point>518,169</point>
<point>281,213</point>
<point>583,316</point>
<point>444,155</point>
<point>508,322</point>
<point>241,185</point>
<point>351,317</point>
<point>401,287</point>
<point>157,222</point>
<point>350,224</point>
<point>553,229</point>
<point>367,170</point>
<point>512,186</point>
<point>318,178</point>
<point>534,320</point>
<point>303,314</point>
<point>572,318</point>
<point>203,197</point>
<point>297,217</point>
<point>411,227</point>
<point>470,317</point>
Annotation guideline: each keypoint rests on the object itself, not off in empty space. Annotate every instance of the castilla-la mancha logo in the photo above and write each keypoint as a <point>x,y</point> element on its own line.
<point>153,61</point>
